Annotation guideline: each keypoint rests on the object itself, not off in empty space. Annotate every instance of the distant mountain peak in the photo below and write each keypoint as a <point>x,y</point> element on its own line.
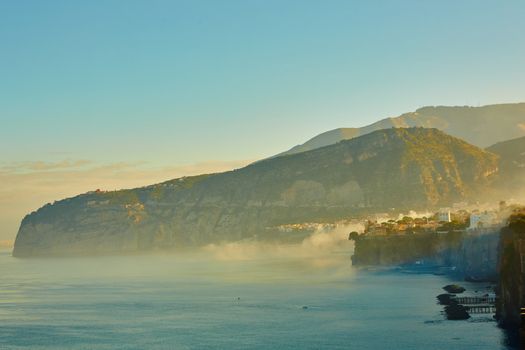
<point>481,126</point>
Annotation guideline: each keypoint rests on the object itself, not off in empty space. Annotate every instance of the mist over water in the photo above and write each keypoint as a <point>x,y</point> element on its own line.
<point>232,296</point>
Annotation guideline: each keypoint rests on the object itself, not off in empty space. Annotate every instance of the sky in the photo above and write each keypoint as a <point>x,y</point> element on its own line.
<point>115,94</point>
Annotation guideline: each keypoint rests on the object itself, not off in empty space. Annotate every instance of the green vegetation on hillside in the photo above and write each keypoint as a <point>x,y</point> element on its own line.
<point>393,168</point>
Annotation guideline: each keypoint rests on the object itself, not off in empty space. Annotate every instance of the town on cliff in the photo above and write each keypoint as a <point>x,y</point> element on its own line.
<point>469,242</point>
<point>460,218</point>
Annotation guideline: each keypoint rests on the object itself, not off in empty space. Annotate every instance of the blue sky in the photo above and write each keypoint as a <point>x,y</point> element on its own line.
<point>184,81</point>
<point>173,83</point>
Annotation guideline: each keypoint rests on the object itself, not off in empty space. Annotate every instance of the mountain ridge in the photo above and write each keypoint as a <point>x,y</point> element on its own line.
<point>482,126</point>
<point>512,167</point>
<point>401,168</point>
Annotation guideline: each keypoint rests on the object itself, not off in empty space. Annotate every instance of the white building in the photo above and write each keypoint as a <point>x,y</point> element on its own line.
<point>444,215</point>
<point>483,220</point>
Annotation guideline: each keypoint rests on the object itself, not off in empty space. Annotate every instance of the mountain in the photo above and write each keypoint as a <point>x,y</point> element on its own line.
<point>511,180</point>
<point>512,152</point>
<point>393,168</point>
<point>481,126</point>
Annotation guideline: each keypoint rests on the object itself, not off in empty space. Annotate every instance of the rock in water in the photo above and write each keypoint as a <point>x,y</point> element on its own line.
<point>456,312</point>
<point>454,289</point>
<point>446,299</point>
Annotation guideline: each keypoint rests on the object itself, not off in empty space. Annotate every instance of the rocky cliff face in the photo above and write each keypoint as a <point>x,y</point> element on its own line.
<point>404,249</point>
<point>477,256</point>
<point>511,288</point>
<point>481,126</point>
<point>395,168</point>
<point>474,255</point>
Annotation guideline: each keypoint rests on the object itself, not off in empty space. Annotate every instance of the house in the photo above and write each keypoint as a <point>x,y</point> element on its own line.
<point>443,215</point>
<point>484,219</point>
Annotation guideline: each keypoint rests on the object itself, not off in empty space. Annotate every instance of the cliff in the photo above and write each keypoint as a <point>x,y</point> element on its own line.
<point>394,168</point>
<point>404,249</point>
<point>477,256</point>
<point>511,288</point>
<point>474,255</point>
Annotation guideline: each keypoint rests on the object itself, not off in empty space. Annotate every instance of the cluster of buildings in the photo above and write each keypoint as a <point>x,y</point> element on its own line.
<point>443,221</point>
<point>313,226</point>
<point>402,226</point>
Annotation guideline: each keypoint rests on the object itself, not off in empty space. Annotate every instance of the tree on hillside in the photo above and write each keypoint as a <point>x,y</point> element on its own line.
<point>353,236</point>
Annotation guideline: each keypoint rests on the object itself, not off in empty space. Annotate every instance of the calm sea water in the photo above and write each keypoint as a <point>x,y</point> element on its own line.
<point>201,301</point>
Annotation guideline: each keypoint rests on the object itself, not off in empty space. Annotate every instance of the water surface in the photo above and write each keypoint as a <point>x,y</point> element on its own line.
<point>201,301</point>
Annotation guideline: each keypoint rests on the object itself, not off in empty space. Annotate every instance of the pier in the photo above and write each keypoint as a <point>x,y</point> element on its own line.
<point>481,309</point>
<point>478,305</point>
<point>475,300</point>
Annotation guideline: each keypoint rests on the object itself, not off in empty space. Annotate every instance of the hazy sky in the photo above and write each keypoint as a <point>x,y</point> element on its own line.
<point>114,94</point>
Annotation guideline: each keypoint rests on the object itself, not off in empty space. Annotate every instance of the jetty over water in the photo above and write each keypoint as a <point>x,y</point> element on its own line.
<point>465,300</point>
<point>481,309</point>
<point>478,304</point>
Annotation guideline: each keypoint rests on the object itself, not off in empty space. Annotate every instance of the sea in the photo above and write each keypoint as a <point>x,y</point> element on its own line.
<point>222,299</point>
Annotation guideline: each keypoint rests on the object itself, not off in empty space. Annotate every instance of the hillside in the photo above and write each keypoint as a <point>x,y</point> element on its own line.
<point>481,126</point>
<point>512,167</point>
<point>393,168</point>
